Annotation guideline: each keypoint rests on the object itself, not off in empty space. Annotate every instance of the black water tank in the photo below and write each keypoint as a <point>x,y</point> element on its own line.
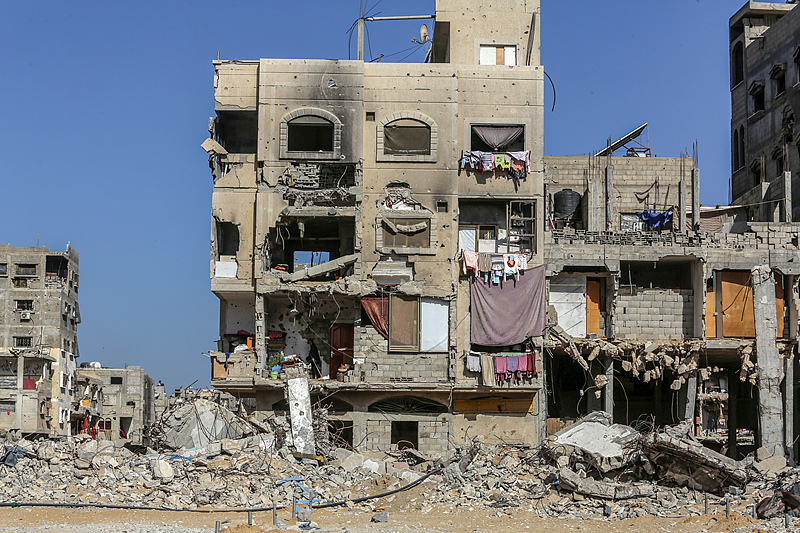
<point>566,203</point>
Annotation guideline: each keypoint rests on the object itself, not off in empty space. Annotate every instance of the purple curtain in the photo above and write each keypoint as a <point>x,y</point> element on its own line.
<point>509,313</point>
<point>498,137</point>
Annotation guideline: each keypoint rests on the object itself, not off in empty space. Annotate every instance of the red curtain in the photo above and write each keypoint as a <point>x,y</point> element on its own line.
<point>377,310</point>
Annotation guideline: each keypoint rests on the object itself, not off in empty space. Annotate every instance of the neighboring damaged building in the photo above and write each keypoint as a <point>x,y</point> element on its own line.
<point>128,407</point>
<point>345,195</point>
<point>39,317</point>
<point>765,104</point>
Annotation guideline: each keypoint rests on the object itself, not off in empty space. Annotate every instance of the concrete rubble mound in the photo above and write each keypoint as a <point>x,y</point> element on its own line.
<point>611,471</point>
<point>197,423</point>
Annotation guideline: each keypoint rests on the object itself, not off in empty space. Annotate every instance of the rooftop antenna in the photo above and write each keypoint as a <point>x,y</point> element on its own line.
<point>363,20</point>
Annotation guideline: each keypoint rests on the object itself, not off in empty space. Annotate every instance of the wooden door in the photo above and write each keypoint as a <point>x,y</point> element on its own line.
<point>341,347</point>
<point>593,288</point>
<point>711,319</point>
<point>738,319</point>
<point>779,307</point>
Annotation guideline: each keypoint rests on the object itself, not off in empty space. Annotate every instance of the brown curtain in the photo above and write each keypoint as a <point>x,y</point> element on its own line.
<point>498,137</point>
<point>407,139</point>
<point>377,310</point>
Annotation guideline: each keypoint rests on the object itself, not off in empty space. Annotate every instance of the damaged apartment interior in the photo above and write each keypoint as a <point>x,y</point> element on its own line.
<point>395,231</point>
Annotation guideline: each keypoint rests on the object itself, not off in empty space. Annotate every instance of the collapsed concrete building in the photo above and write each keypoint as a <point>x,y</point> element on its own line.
<point>455,281</point>
<point>39,317</point>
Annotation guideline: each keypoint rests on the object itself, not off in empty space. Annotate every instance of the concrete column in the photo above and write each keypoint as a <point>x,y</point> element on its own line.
<point>695,199</point>
<point>682,206</point>
<point>610,218</point>
<point>733,422</point>
<point>788,407</point>
<point>20,402</point>
<point>770,365</point>
<point>595,218</point>
<point>786,207</point>
<point>608,397</point>
<point>261,334</point>
<point>691,399</point>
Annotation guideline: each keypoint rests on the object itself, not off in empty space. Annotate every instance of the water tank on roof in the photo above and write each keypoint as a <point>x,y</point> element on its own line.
<point>566,203</point>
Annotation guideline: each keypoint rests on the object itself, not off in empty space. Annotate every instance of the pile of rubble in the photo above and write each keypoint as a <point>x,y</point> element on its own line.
<point>590,469</point>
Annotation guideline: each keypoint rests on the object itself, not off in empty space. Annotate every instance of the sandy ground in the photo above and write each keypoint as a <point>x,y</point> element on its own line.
<point>31,519</point>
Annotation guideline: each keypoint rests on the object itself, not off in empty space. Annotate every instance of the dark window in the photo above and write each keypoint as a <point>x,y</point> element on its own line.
<point>23,305</point>
<point>3,269</point>
<point>737,64</point>
<point>496,138</point>
<point>741,147</point>
<point>227,238</point>
<point>407,233</point>
<point>757,95</point>
<point>778,75</point>
<point>26,270</point>
<point>407,137</point>
<point>56,267</point>
<point>736,157</point>
<point>405,434</point>
<point>20,283</point>
<point>370,116</point>
<point>237,131</point>
<point>310,133</point>
<point>116,380</point>
<point>23,342</point>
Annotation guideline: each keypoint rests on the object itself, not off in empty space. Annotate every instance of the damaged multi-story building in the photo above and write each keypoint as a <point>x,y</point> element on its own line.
<point>339,200</point>
<point>39,316</point>
<point>455,281</point>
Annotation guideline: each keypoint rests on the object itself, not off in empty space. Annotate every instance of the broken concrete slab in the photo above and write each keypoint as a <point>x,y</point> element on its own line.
<point>298,397</point>
<point>161,469</point>
<point>602,444</point>
<point>687,462</point>
<point>199,423</point>
<point>572,481</point>
<point>771,465</point>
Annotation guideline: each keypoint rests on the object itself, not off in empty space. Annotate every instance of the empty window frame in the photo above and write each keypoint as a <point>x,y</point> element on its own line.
<point>227,239</point>
<point>778,75</point>
<point>737,64</point>
<point>497,138</point>
<point>237,131</point>
<point>310,133</point>
<point>405,434</point>
<point>491,54</point>
<point>28,269</point>
<point>3,269</point>
<point>23,342</point>
<point>8,406</point>
<point>116,380</point>
<point>406,233</point>
<point>757,96</point>
<point>23,305</point>
<point>418,324</point>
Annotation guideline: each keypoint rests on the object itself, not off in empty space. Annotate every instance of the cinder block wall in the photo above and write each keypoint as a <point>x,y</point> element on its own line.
<point>434,437</point>
<point>655,314</point>
<point>382,366</point>
<point>379,435</point>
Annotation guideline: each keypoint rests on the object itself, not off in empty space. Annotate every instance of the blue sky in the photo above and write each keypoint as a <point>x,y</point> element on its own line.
<point>106,104</point>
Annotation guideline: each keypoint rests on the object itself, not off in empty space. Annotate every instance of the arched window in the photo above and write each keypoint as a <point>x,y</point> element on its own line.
<point>310,133</point>
<point>407,405</point>
<point>737,64</point>
<point>407,136</point>
<point>736,149</point>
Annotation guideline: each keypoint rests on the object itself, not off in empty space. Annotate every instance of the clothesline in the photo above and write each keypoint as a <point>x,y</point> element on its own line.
<point>516,164</point>
<point>494,267</point>
<point>505,367</point>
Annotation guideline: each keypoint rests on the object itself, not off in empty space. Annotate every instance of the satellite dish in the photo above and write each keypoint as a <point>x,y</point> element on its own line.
<point>423,33</point>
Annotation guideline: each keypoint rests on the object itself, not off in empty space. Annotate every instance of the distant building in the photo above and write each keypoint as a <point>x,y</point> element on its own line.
<point>128,404</point>
<point>39,317</point>
<point>765,102</point>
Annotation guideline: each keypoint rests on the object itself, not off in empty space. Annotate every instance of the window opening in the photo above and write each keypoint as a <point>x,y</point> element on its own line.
<point>757,95</point>
<point>741,147</point>
<point>736,157</point>
<point>407,405</point>
<point>418,324</point>
<point>20,283</point>
<point>407,137</point>
<point>406,233</point>
<point>23,342</point>
<point>737,60</point>
<point>3,269</point>
<point>370,116</point>
<point>778,75</point>
<point>23,305</point>
<point>405,434</point>
<point>494,138</point>
<point>237,131</point>
<point>227,238</point>
<point>310,133</point>
<point>441,206</point>
<point>56,267</point>
<point>116,380</point>
<point>498,55</point>
<point>26,270</point>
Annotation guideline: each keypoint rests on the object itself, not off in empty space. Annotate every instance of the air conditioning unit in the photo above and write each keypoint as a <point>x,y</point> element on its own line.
<point>25,316</point>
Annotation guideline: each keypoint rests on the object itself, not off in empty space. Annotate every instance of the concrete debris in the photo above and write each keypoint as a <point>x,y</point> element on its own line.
<point>380,517</point>
<point>605,446</point>
<point>196,424</point>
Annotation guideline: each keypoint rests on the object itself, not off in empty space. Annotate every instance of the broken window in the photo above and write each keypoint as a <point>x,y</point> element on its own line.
<point>778,75</point>
<point>23,342</point>
<point>56,267</point>
<point>657,275</point>
<point>227,239</point>
<point>237,131</point>
<point>407,137</point>
<point>116,380</point>
<point>737,64</point>
<point>20,283</point>
<point>497,138</point>
<point>498,55</point>
<point>23,305</point>
<point>757,96</point>
<point>418,324</point>
<point>405,434</point>
<point>310,133</point>
<point>318,240</point>
<point>26,270</point>
<point>406,233</point>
